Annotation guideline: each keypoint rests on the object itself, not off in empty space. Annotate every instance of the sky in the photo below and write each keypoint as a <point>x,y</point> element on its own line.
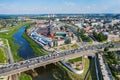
<point>58,6</point>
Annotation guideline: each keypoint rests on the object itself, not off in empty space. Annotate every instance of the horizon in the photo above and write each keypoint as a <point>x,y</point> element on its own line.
<point>59,7</point>
<point>67,14</point>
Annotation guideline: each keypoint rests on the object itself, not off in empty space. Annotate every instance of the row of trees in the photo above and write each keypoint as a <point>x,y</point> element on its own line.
<point>100,36</point>
<point>83,36</point>
<point>112,60</point>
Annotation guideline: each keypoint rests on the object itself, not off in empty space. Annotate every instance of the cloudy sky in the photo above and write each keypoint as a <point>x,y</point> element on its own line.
<point>58,6</point>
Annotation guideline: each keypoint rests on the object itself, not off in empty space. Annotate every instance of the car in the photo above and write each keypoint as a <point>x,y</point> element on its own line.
<point>21,63</point>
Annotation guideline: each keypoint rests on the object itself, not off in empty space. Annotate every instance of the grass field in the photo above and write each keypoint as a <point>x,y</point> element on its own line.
<point>75,60</point>
<point>10,33</point>
<point>14,49</point>
<point>4,42</point>
<point>63,48</point>
<point>71,75</point>
<point>3,79</point>
<point>67,46</point>
<point>74,46</point>
<point>117,42</point>
<point>3,56</point>
<point>25,77</point>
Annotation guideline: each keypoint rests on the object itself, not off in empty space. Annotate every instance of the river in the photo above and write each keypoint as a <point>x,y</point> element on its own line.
<point>26,52</point>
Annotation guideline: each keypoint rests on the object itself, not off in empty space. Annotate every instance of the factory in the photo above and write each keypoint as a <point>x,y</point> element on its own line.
<point>51,34</point>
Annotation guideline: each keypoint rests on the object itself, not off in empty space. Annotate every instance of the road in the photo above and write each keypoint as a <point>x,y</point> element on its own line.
<point>11,61</point>
<point>3,31</point>
<point>48,59</point>
<point>88,71</point>
<point>96,68</point>
<point>10,57</point>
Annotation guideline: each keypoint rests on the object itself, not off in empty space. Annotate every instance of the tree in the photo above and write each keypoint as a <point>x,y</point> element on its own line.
<point>112,55</point>
<point>68,41</point>
<point>80,39</point>
<point>81,31</point>
<point>100,36</point>
<point>106,49</point>
<point>55,43</point>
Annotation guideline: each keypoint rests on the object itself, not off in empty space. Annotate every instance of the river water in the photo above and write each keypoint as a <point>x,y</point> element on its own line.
<point>25,51</point>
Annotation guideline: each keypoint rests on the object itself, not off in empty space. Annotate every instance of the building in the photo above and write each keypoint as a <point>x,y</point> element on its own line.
<point>112,37</point>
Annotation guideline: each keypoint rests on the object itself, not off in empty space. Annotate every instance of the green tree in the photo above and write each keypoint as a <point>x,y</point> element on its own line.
<point>68,41</point>
<point>25,77</point>
<point>112,55</point>
<point>80,39</point>
<point>106,49</point>
<point>81,32</point>
<point>55,43</point>
<point>100,36</point>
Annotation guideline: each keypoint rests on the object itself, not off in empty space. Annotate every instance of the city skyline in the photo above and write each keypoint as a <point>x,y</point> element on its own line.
<point>56,6</point>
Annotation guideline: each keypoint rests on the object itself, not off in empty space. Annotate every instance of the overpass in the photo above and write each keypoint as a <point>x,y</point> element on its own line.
<point>35,63</point>
<point>30,64</point>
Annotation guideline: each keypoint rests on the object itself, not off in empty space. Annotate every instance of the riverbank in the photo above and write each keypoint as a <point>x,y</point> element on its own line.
<point>71,75</point>
<point>59,72</point>
<point>36,48</point>
<point>75,65</point>
<point>9,36</point>
<point>13,46</point>
<point>25,77</point>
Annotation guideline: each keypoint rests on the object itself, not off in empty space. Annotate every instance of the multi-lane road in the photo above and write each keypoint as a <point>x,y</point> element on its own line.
<point>22,66</point>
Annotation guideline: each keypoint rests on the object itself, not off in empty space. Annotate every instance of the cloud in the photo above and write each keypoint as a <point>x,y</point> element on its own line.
<point>70,4</point>
<point>66,6</point>
<point>2,5</point>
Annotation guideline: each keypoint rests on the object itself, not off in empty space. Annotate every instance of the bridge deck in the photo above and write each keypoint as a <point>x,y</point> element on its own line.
<point>45,60</point>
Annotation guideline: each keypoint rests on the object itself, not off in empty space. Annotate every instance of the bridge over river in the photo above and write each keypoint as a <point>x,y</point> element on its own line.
<point>30,64</point>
